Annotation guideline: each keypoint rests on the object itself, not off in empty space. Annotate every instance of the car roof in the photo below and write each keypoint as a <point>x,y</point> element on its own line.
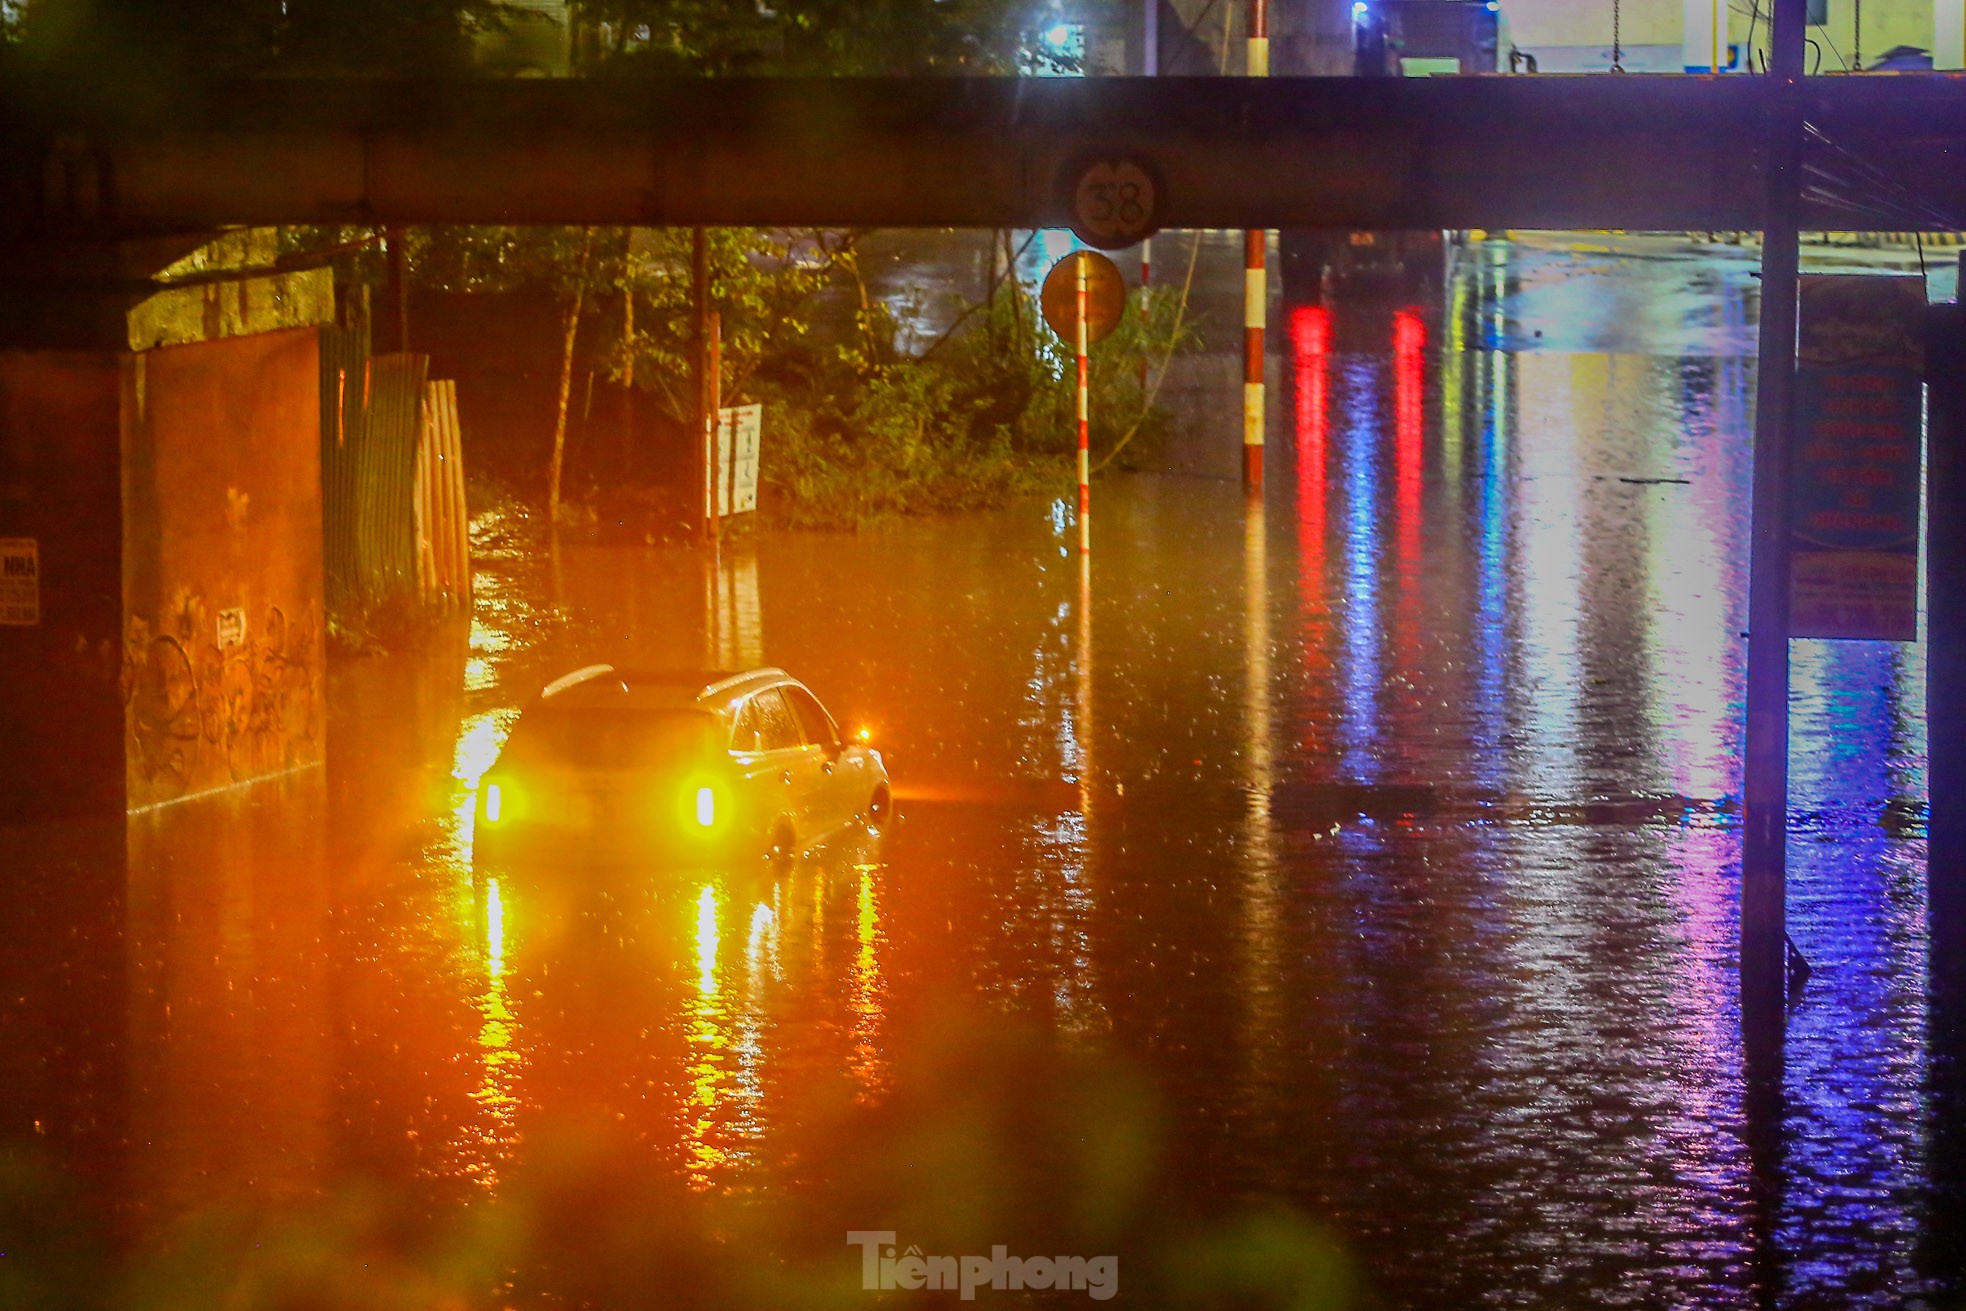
<point>658,689</point>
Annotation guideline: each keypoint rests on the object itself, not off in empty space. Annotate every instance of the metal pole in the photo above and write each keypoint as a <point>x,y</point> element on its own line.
<point>699,270</point>
<point>1255,287</point>
<point>713,405</point>
<point>1945,637</point>
<point>1254,312</point>
<point>1764,836</point>
<point>1149,67</point>
<point>1079,263</point>
<point>1945,718</point>
<point>627,367</point>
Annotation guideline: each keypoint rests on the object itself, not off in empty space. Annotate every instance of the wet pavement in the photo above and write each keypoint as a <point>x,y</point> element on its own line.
<point>1333,891</point>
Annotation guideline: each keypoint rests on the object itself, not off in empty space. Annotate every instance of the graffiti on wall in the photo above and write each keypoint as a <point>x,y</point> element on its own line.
<point>210,698</point>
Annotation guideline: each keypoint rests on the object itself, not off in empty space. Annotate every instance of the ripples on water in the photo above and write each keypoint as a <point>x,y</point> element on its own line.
<point>1369,851</point>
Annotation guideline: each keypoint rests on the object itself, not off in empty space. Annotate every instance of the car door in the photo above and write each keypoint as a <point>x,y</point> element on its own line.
<point>841,788</point>
<point>763,797</point>
<point>785,777</point>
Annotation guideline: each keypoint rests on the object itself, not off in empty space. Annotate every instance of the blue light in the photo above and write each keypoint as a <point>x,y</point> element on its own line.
<point>1494,6</point>
<point>1358,10</point>
<point>1058,36</point>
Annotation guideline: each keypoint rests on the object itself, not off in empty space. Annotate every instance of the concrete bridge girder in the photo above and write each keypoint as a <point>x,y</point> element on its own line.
<point>1591,152</point>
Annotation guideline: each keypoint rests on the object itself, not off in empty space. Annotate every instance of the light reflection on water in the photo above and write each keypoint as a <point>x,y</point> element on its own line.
<point>1385,826</point>
<point>1515,658</point>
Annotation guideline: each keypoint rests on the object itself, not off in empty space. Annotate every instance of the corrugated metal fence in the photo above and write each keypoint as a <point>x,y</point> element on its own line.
<point>442,526</point>
<point>392,477</point>
<point>385,475</point>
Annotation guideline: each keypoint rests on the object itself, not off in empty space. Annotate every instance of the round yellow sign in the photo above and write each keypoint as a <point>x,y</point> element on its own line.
<point>1105,296</point>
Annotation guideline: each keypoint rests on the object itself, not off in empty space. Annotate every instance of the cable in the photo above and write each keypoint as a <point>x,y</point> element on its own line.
<point>1833,50</point>
<point>1617,37</point>
<point>1872,191</point>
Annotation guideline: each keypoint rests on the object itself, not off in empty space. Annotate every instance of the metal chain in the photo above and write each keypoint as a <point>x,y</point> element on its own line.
<point>1617,34</point>
<point>1857,35</point>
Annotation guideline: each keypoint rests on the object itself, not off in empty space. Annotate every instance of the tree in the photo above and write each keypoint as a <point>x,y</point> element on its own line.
<point>766,284</point>
<point>840,38</point>
<point>155,42</point>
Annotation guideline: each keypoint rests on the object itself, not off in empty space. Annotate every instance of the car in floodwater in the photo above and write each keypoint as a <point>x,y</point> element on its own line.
<point>675,769</point>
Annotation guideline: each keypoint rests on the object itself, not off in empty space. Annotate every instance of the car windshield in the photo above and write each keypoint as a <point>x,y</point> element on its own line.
<point>608,738</point>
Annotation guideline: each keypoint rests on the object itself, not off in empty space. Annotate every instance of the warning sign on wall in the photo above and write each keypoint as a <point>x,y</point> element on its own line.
<point>20,581</point>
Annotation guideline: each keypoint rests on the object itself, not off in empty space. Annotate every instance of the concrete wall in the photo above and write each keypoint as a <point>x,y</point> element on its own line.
<point>61,730</point>
<point>222,592</point>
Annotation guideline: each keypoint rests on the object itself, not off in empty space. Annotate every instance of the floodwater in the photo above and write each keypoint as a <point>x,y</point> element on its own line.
<point>1333,892</point>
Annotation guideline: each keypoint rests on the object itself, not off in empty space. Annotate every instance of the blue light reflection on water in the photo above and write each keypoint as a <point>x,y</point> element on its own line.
<point>1361,385</point>
<point>1668,472</point>
<point>1857,911</point>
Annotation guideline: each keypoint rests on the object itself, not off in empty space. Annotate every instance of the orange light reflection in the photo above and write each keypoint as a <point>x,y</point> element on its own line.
<point>708,1042</point>
<point>501,1059</point>
<point>869,989</point>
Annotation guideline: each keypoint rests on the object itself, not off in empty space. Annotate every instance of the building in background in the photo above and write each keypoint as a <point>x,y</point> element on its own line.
<point>1188,38</point>
<point>1678,36</point>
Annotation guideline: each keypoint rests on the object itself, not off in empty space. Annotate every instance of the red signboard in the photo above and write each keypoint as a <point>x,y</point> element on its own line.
<point>1859,428</point>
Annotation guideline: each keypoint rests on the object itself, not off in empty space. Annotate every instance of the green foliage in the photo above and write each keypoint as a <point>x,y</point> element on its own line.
<point>986,415</point>
<point>156,40</point>
<point>766,286</point>
<point>856,431</point>
<point>842,38</point>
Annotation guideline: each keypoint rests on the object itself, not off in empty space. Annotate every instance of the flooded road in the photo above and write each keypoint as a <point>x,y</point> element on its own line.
<point>1334,891</point>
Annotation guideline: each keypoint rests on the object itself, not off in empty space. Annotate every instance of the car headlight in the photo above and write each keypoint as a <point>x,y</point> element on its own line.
<point>494,803</point>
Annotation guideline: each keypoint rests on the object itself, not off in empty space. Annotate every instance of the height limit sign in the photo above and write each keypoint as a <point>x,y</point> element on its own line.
<point>1115,200</point>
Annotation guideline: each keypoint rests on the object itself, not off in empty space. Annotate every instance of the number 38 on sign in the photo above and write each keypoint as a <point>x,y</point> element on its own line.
<point>1115,201</point>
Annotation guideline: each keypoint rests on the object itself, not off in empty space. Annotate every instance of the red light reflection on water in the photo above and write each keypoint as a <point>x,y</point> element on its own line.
<point>1409,389</point>
<point>1309,331</point>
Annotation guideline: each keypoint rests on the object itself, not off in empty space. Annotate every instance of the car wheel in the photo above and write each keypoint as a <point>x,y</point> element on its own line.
<point>782,848</point>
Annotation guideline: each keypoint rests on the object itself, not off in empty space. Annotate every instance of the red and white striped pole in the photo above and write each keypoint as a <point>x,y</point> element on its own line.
<point>1085,437</point>
<point>1255,286</point>
<point>1254,309</point>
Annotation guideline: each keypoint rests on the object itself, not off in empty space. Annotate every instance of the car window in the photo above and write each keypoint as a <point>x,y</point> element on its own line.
<point>593,738</point>
<point>812,717</point>
<point>744,731</point>
<point>776,728</point>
